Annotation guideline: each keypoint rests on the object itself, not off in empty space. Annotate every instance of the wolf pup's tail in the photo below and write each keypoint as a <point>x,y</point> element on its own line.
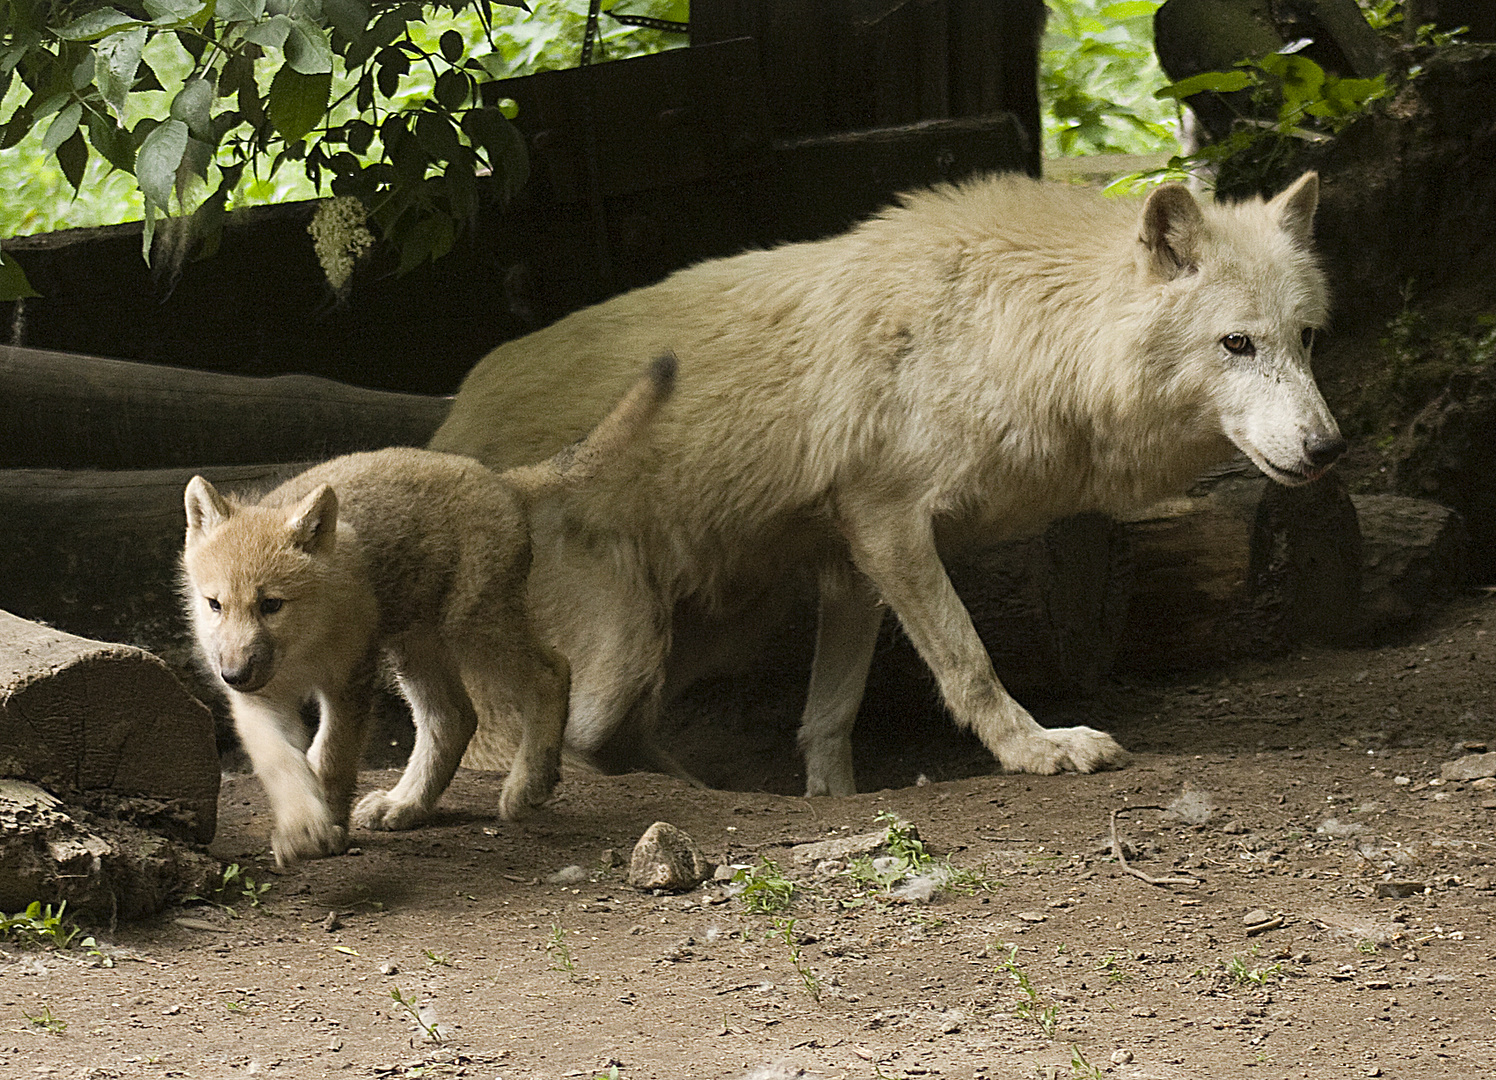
<point>581,460</point>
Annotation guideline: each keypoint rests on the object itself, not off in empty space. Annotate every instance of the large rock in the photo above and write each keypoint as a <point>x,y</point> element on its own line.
<point>1415,554</point>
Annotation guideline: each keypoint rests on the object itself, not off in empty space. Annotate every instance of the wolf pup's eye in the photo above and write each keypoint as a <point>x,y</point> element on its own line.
<point>213,604</point>
<point>270,606</point>
<point>1238,345</point>
<point>1307,337</point>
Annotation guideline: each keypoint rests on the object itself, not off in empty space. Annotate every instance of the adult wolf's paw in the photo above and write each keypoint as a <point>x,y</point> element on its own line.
<point>377,810</point>
<point>1053,750</point>
<point>307,838</point>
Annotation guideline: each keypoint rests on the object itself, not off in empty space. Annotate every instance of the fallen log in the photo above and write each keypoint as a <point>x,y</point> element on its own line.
<point>107,727</point>
<point>65,411</point>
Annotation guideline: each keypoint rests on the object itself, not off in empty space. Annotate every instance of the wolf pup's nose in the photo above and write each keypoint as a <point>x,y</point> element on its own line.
<point>1322,451</point>
<point>238,676</point>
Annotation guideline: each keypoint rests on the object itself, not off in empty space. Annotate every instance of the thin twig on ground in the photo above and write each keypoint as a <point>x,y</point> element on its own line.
<point>1134,871</point>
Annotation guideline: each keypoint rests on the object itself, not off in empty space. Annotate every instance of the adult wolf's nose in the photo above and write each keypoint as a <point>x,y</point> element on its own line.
<point>1322,451</point>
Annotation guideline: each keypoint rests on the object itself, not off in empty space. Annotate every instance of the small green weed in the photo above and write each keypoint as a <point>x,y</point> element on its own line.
<point>1080,1068</point>
<point>52,1025</point>
<point>412,1006</point>
<point>39,926</point>
<point>1368,947</point>
<point>784,929</point>
<point>560,952</point>
<point>436,958</point>
<point>1114,972</point>
<point>764,888</point>
<point>1241,972</point>
<point>235,887</point>
<point>1032,1007</point>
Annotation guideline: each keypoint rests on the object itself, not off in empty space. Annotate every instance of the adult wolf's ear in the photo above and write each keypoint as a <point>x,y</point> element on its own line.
<point>206,509</point>
<point>1294,207</point>
<point>1172,230</point>
<point>314,521</point>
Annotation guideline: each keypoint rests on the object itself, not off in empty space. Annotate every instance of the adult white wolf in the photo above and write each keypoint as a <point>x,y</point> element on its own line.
<point>967,365</point>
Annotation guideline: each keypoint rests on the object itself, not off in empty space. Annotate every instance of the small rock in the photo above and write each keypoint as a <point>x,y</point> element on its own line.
<point>841,847</point>
<point>612,858</point>
<point>667,858</point>
<point>1398,890</point>
<point>1470,767</point>
<point>1121,1057</point>
<point>1030,916</point>
<point>332,922</point>
<point>567,875</point>
<point>1402,781</point>
<point>1485,783</point>
<point>725,872</point>
<point>389,967</point>
<point>1255,916</point>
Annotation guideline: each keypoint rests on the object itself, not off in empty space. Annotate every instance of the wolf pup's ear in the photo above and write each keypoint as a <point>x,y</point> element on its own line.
<point>206,509</point>
<point>1172,230</point>
<point>314,521</point>
<point>1294,207</point>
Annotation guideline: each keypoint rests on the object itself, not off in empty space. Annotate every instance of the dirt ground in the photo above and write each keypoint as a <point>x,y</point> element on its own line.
<point>1307,793</point>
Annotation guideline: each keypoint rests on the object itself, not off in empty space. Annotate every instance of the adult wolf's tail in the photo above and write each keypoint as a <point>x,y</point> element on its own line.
<point>582,460</point>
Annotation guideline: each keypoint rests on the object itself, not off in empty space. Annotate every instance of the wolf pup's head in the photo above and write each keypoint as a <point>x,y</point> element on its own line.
<point>1242,297</point>
<point>248,572</point>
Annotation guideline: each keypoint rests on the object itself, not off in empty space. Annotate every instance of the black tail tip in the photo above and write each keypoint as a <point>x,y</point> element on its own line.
<point>662,371</point>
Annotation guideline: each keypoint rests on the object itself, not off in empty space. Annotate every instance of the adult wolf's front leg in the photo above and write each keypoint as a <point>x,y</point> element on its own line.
<point>894,545</point>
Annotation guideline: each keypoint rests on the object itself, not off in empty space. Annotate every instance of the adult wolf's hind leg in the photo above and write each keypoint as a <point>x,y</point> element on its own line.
<point>846,631</point>
<point>444,722</point>
<point>895,547</point>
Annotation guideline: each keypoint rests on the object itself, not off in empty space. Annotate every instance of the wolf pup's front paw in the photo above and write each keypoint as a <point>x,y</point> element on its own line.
<point>378,810</point>
<point>307,838</point>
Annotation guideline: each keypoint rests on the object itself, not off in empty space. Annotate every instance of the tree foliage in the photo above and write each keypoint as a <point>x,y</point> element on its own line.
<point>389,101</point>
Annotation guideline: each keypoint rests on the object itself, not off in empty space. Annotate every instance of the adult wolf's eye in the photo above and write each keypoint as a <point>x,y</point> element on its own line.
<point>1238,345</point>
<point>270,606</point>
<point>1307,337</point>
<point>213,604</point>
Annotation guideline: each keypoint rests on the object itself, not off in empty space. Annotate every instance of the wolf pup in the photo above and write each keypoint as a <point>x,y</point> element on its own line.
<point>417,555</point>
<point>965,366</point>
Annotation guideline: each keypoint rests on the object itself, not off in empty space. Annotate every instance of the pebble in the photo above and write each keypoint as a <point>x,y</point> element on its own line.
<point>1121,1057</point>
<point>1030,916</point>
<point>667,858</point>
<point>389,967</point>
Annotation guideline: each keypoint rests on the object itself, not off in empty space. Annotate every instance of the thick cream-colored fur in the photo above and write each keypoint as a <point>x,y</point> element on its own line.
<point>965,366</point>
<point>419,557</point>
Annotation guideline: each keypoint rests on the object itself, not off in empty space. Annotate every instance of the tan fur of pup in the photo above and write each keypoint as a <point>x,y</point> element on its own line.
<point>966,366</point>
<point>419,556</point>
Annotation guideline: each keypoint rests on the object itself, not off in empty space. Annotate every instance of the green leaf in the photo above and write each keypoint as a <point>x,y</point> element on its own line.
<point>13,282</point>
<point>437,136</point>
<point>297,101</point>
<point>112,143</point>
<point>452,46</point>
<point>349,17</point>
<point>239,10</point>
<point>118,61</point>
<point>306,47</point>
<point>83,71</point>
<point>452,89</point>
<point>72,156</point>
<point>429,238</point>
<point>1221,82</point>
<point>172,12</point>
<point>358,134</point>
<point>97,24</point>
<point>193,105</point>
<point>62,128</point>
<point>271,34</point>
<point>157,160</point>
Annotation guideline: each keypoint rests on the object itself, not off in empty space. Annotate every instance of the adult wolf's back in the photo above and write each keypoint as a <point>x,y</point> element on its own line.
<point>965,366</point>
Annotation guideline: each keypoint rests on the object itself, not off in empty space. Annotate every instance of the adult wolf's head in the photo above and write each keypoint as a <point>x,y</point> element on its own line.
<point>1242,298</point>
<point>249,573</point>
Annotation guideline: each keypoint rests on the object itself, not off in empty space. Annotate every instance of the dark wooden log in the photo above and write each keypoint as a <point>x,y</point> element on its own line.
<point>62,411</point>
<point>1415,553</point>
<point>92,721</point>
<point>103,868</point>
<point>96,553</point>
